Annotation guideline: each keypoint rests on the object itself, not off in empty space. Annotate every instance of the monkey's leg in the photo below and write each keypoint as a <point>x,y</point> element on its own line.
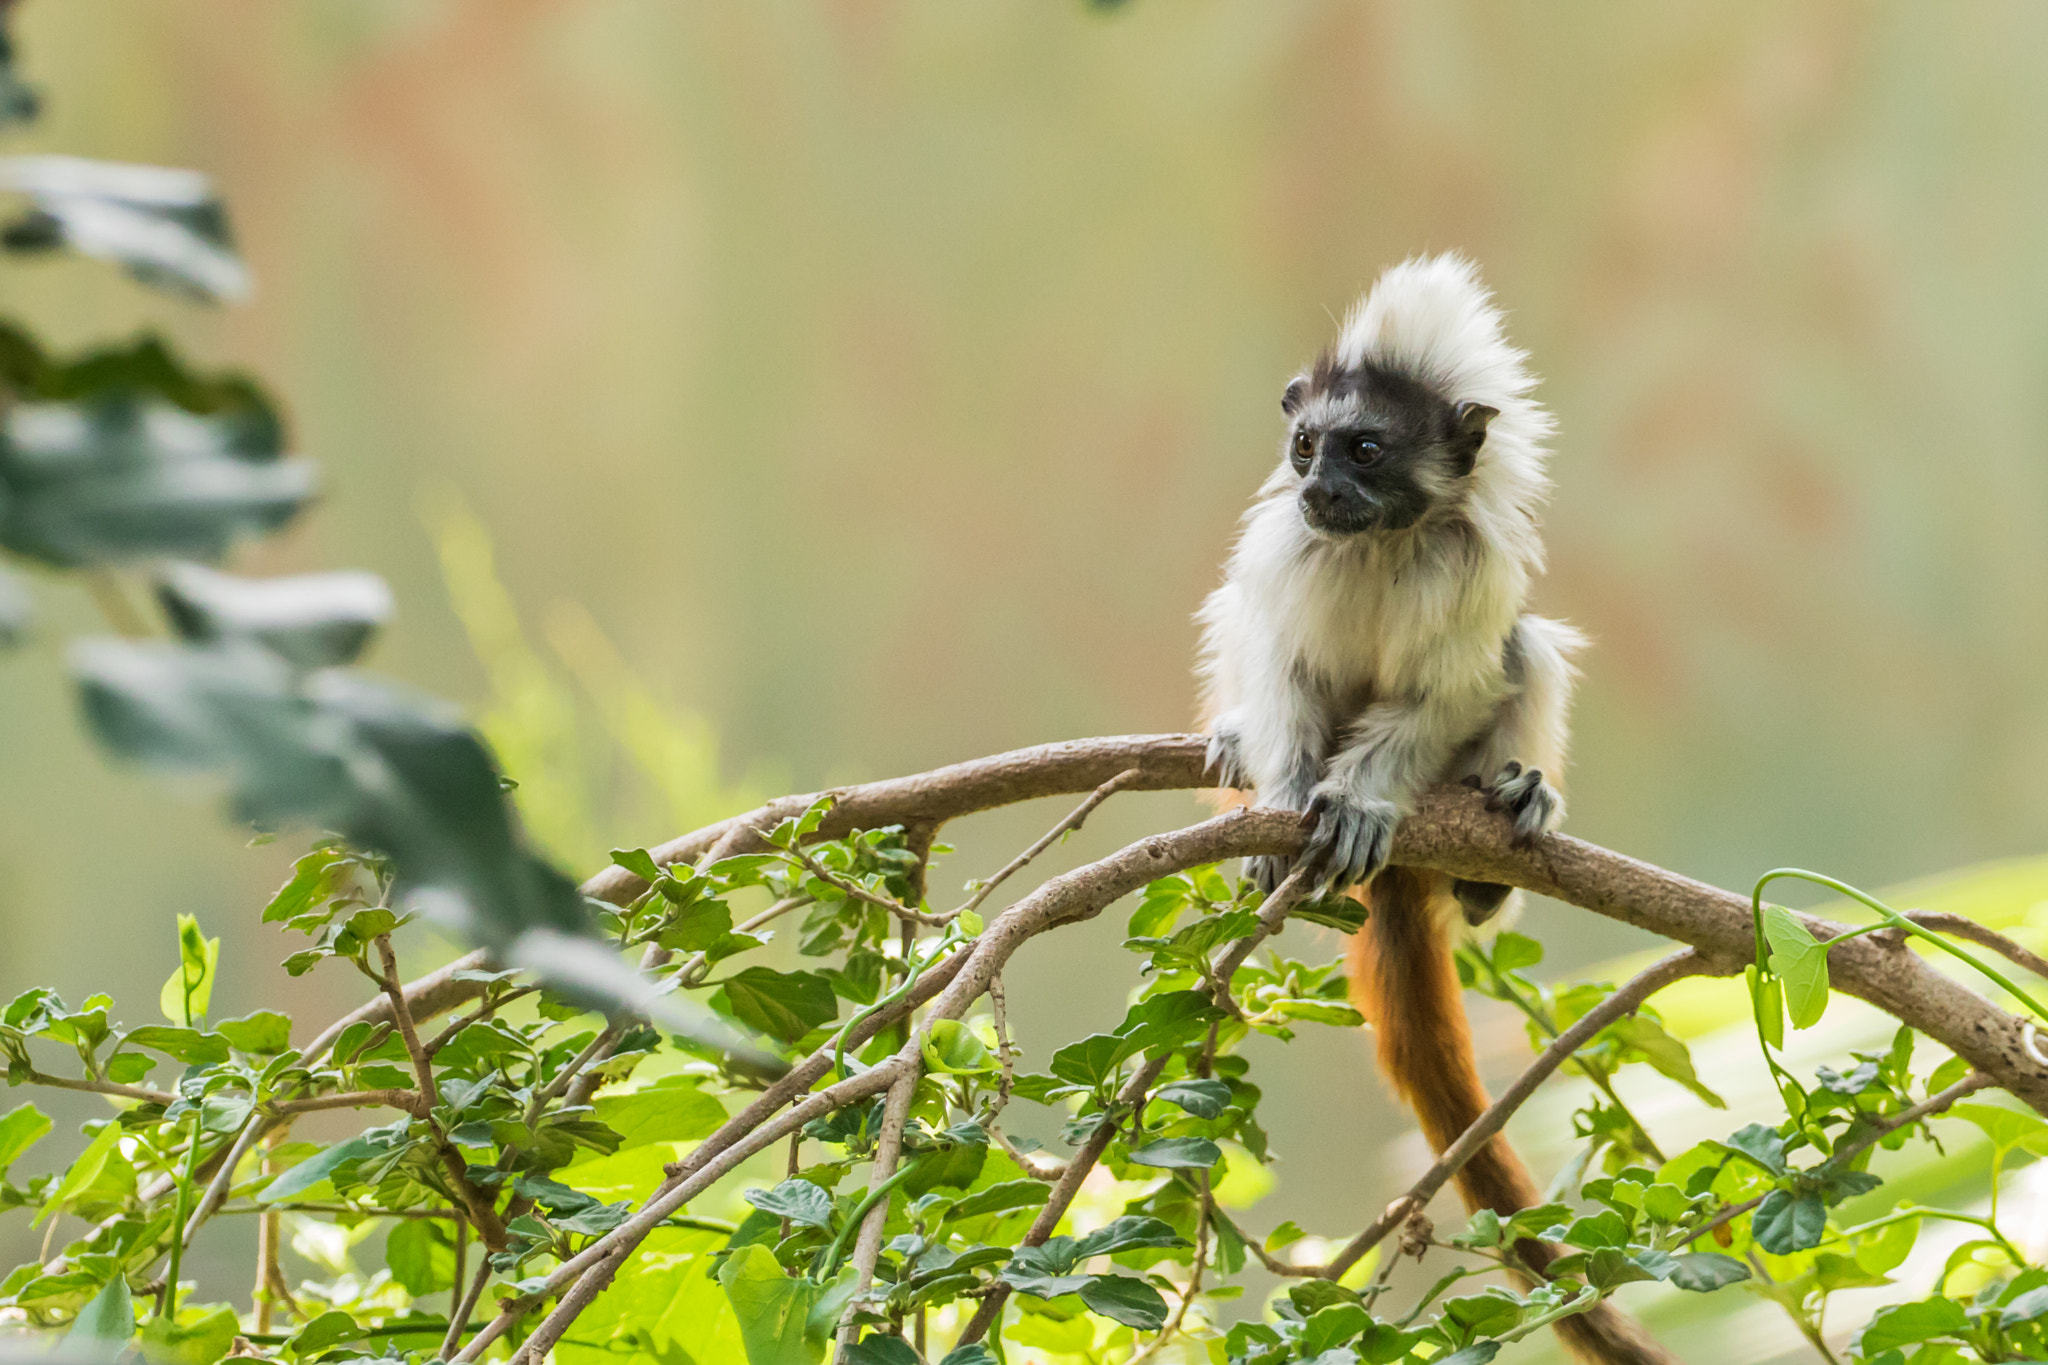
<point>1274,741</point>
<point>1519,761</point>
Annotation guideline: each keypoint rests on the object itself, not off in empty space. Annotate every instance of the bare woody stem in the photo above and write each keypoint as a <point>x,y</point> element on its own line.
<point>867,1247</point>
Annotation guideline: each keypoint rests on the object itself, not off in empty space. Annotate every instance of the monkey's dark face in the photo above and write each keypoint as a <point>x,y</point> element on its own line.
<point>1376,450</point>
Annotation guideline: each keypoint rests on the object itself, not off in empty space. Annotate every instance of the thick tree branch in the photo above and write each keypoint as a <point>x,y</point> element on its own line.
<point>1164,763</point>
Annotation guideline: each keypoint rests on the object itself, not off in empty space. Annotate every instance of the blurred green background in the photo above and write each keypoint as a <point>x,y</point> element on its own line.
<point>871,385</point>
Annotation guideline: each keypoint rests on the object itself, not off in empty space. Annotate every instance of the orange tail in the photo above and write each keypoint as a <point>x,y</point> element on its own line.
<point>1404,981</point>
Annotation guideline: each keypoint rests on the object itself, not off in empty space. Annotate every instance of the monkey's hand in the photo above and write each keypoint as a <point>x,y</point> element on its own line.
<point>1351,839</point>
<point>1225,758</point>
<point>1533,804</point>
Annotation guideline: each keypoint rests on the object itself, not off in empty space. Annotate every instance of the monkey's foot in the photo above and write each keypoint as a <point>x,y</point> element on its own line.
<point>1351,839</point>
<point>1533,804</point>
<point>1480,901</point>
<point>1225,759</point>
<point>1267,872</point>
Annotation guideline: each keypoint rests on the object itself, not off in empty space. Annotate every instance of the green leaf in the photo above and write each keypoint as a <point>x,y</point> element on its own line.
<point>1767,1001</point>
<point>1666,1055</point>
<point>329,1329</point>
<point>1185,1153</point>
<point>420,1258</point>
<point>308,620</point>
<point>639,862</point>
<point>264,1033</point>
<point>121,476</point>
<point>317,877</point>
<point>1125,1299</point>
<point>19,1131</point>
<point>2007,1128</point>
<point>1760,1144</point>
<point>1286,1235</point>
<point>1124,1234</point>
<point>84,1170</point>
<point>166,227</point>
<point>1604,1229</point>
<point>1000,1197</point>
<point>314,1170</point>
<point>1905,1324</point>
<point>1800,962</point>
<point>974,1353</point>
<point>1785,1222</point>
<point>880,1348</point>
<point>954,1049</point>
<point>773,1309</point>
<point>186,995</point>
<point>800,1201</point>
<point>784,1005</point>
<point>673,1110</point>
<point>109,1319</point>
<point>188,1045</point>
<point>1512,951</point>
<point>1203,1099</point>
<point>1332,1326</point>
<point>1478,1353</point>
<point>200,1342</point>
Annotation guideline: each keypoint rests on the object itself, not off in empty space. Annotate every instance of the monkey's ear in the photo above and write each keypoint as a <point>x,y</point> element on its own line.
<point>1468,430</point>
<point>1290,401</point>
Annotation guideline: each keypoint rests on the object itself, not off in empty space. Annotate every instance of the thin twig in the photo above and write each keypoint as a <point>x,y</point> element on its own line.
<point>409,1100</point>
<point>1684,963</point>
<point>476,1016</point>
<point>855,890</point>
<point>126,1092</point>
<point>1074,820</point>
<point>1006,1051</point>
<point>867,1246</point>
<point>460,1318</point>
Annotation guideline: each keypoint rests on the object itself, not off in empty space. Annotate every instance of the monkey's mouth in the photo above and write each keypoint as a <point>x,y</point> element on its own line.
<point>1341,521</point>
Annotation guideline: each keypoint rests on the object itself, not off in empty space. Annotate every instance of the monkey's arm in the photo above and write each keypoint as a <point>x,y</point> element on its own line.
<point>1392,752</point>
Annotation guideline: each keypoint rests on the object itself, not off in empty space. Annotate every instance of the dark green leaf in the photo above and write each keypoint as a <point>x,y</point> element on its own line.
<point>1188,1153</point>
<point>1705,1271</point>
<point>800,1201</point>
<point>1000,1198</point>
<point>1125,1233</point>
<point>166,227</point>
<point>1203,1099</point>
<point>309,620</point>
<point>879,1348</point>
<point>972,1354</point>
<point>1785,1223</point>
<point>1124,1299</point>
<point>1761,1145</point>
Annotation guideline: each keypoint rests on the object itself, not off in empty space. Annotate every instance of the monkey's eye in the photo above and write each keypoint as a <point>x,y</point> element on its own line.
<point>1365,450</point>
<point>1304,448</point>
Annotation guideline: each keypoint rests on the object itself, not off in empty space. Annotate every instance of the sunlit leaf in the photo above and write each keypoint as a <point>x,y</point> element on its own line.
<point>1799,961</point>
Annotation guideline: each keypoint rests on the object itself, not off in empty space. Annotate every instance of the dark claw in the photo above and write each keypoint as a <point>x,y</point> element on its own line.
<point>1530,802</point>
<point>1266,872</point>
<point>1223,760</point>
<point>1351,839</point>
